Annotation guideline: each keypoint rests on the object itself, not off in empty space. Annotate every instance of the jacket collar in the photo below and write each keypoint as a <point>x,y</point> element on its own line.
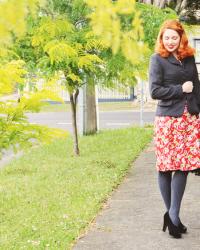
<point>171,58</point>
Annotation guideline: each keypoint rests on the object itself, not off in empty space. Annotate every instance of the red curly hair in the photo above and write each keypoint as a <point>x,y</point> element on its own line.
<point>184,49</point>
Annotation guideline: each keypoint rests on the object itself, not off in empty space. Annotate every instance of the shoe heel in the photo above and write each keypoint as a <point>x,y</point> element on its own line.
<point>164,226</point>
<point>165,222</point>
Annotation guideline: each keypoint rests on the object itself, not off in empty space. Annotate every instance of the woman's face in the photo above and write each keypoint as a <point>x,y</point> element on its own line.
<point>171,40</point>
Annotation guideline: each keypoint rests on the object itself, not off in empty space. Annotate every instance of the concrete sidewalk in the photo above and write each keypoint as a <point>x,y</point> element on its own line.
<point>132,218</point>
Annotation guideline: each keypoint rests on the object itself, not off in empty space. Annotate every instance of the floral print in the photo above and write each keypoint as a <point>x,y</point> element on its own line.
<point>177,142</point>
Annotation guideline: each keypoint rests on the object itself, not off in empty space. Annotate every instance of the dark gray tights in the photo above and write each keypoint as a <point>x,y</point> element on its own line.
<point>172,189</point>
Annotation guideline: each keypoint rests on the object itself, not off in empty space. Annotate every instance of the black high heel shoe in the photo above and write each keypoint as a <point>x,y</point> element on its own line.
<point>182,229</point>
<point>173,229</point>
<point>165,222</point>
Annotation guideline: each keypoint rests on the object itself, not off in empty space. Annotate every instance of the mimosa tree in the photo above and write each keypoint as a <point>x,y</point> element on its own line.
<point>67,51</point>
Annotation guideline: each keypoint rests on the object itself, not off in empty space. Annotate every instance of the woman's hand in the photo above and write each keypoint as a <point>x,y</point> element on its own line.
<point>187,87</point>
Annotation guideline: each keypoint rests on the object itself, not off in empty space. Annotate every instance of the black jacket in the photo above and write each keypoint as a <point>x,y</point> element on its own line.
<point>166,76</point>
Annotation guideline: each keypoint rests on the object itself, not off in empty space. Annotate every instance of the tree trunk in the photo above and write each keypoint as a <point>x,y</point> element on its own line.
<point>157,3</point>
<point>73,102</point>
<point>90,103</point>
<point>146,1</point>
<point>188,10</point>
<point>88,122</point>
<point>184,4</point>
<point>180,5</point>
<point>162,4</point>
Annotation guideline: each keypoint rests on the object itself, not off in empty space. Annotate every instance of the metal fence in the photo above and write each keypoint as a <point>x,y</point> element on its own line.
<point>103,94</point>
<point>118,94</point>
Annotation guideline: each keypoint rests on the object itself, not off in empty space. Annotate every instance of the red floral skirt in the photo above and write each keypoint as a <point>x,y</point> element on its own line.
<point>177,142</point>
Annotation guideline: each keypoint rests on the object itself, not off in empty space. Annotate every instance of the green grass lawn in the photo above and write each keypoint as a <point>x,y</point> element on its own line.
<point>49,197</point>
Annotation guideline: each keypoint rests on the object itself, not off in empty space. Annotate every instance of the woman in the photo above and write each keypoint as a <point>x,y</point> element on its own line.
<point>174,82</point>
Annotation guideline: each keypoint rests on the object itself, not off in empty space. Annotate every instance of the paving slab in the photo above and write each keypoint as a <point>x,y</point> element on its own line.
<point>132,217</point>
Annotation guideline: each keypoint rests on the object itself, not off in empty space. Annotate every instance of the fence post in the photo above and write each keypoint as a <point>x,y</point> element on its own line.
<point>81,109</point>
<point>141,103</point>
<point>97,106</point>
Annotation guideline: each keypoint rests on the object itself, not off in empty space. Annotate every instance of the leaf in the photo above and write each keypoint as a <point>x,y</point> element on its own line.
<point>60,51</point>
<point>88,62</point>
<point>125,7</point>
<point>9,80</point>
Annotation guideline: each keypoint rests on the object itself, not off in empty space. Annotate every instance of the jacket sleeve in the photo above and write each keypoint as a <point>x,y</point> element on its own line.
<point>157,89</point>
<point>196,83</point>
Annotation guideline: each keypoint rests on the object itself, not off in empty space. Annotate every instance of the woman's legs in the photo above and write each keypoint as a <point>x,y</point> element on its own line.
<point>172,190</point>
<point>164,182</point>
<point>178,184</point>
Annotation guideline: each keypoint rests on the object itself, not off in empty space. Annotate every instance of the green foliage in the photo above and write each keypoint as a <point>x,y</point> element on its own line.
<point>152,18</point>
<point>53,47</point>
<point>15,130</point>
<point>75,10</point>
<point>13,14</point>
<point>50,29</point>
<point>118,25</point>
<point>88,61</point>
<point>17,133</point>
<point>115,72</point>
<point>13,18</point>
<point>59,52</point>
<point>106,20</point>
<point>66,49</point>
<point>11,73</point>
